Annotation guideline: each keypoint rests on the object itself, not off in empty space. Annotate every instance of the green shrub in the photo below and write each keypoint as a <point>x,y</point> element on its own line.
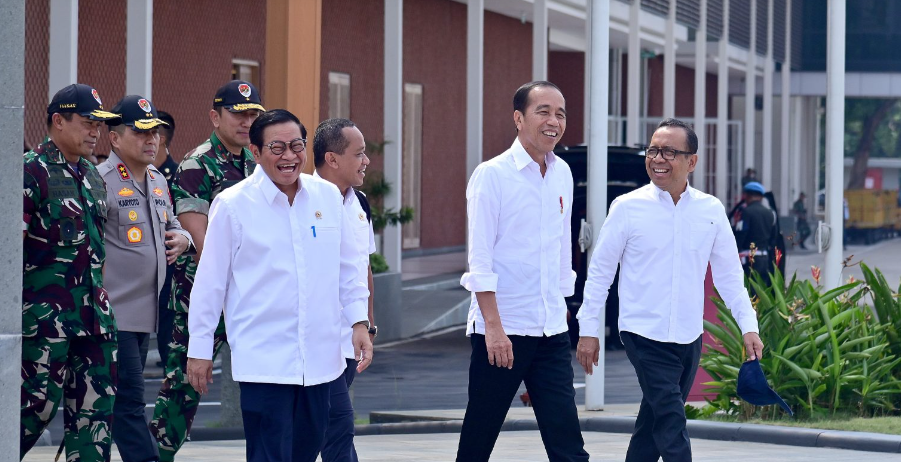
<point>378,263</point>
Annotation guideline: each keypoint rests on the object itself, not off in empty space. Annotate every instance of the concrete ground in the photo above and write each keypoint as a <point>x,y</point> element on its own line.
<point>883,256</point>
<point>524,446</point>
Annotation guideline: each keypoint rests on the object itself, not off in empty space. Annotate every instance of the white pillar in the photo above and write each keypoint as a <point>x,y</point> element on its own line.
<point>766,176</point>
<point>599,14</point>
<point>835,146</point>
<point>750,91</point>
<point>669,63</point>
<point>539,40</point>
<point>634,75</point>
<point>722,111</point>
<point>62,67</point>
<point>393,114</point>
<point>786,193</point>
<point>700,175</point>
<point>139,48</point>
<point>798,152</point>
<point>586,120</point>
<point>475,37</point>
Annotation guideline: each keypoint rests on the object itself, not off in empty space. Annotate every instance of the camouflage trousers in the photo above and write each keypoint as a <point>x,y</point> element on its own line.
<point>177,401</point>
<point>81,370</point>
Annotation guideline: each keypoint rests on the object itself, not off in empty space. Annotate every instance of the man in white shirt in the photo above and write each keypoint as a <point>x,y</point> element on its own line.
<point>519,206</point>
<point>279,259</point>
<point>339,152</point>
<point>663,236</point>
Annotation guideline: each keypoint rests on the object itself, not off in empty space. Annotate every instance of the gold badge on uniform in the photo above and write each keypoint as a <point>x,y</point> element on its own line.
<point>123,172</point>
<point>134,235</point>
<point>318,215</point>
<point>125,192</point>
<point>132,215</point>
<point>158,192</point>
<point>361,217</point>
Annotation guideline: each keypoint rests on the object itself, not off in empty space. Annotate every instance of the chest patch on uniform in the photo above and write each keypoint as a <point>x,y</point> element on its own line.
<point>160,202</point>
<point>67,229</point>
<point>132,215</point>
<point>158,192</point>
<point>125,203</point>
<point>123,172</point>
<point>134,234</point>
<point>125,192</point>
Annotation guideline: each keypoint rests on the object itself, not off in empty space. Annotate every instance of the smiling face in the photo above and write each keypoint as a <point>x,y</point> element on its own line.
<point>75,138</point>
<point>282,169</point>
<point>137,149</point>
<point>544,121</point>
<point>350,165</point>
<point>671,175</point>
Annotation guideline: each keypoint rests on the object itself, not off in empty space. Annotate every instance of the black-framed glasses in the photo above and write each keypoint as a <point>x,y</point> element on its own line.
<point>278,148</point>
<point>668,153</point>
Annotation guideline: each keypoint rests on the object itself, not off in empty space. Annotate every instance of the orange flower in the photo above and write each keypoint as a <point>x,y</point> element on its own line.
<point>815,272</point>
<point>778,256</point>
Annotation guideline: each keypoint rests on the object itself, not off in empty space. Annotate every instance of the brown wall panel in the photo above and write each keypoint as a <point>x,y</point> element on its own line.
<point>508,64</point>
<point>37,48</point>
<point>101,55</point>
<point>567,71</point>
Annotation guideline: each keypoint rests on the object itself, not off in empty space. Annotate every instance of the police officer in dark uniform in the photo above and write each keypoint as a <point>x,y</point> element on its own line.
<point>754,232</point>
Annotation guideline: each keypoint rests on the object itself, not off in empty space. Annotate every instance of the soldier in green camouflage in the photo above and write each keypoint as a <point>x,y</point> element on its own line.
<point>220,162</point>
<point>68,328</point>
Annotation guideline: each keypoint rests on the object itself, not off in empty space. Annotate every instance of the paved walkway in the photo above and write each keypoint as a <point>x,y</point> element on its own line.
<point>883,256</point>
<point>522,447</point>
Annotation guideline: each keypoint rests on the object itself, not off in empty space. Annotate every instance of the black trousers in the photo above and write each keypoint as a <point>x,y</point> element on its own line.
<point>285,423</point>
<point>665,374</point>
<point>339,438</point>
<point>130,431</point>
<point>166,317</point>
<point>545,365</point>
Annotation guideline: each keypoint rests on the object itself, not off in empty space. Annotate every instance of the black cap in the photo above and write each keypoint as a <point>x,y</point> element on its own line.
<point>238,96</point>
<point>137,112</point>
<point>79,99</point>
<point>753,387</point>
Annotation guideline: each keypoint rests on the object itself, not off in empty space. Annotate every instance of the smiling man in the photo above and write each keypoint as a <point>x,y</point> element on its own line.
<point>283,266</point>
<point>519,206</point>
<point>217,164</point>
<point>663,236</point>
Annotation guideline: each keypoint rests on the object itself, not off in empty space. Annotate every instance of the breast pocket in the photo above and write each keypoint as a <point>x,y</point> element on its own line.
<point>702,235</point>
<point>66,226</point>
<point>134,227</point>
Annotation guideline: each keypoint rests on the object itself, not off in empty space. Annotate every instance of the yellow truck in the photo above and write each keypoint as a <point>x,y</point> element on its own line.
<point>873,214</point>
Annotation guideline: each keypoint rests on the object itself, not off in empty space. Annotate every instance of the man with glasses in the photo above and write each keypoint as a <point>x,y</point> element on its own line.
<point>219,163</point>
<point>662,236</point>
<point>282,264</point>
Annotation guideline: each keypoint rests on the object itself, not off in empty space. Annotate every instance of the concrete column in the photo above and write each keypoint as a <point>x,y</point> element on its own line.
<point>798,152</point>
<point>750,91</point>
<point>722,111</point>
<point>62,66</point>
<point>634,75</point>
<point>12,113</point>
<point>700,174</point>
<point>835,146</point>
<point>539,40</point>
<point>669,63</point>
<point>766,175</point>
<point>139,48</point>
<point>393,114</point>
<point>475,74</point>
<point>599,14</point>
<point>786,193</point>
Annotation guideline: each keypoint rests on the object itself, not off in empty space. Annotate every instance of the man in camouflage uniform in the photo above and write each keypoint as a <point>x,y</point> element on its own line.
<point>68,328</point>
<point>220,162</point>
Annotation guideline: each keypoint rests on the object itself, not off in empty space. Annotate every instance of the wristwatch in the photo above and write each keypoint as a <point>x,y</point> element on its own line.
<point>374,331</point>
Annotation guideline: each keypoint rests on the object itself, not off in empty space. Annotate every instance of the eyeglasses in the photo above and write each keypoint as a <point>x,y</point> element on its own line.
<point>278,148</point>
<point>668,153</point>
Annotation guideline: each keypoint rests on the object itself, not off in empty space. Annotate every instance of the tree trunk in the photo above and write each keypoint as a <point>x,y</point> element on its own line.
<point>867,135</point>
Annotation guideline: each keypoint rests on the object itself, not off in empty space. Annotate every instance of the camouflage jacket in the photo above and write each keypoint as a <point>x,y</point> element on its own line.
<point>205,172</point>
<point>63,248</point>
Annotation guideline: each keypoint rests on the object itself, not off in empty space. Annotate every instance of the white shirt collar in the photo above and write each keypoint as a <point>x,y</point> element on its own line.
<point>689,191</point>
<point>267,186</point>
<point>521,157</point>
<point>349,195</point>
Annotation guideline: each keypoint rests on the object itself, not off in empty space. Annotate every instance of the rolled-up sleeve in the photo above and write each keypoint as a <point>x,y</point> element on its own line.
<point>728,277</point>
<point>353,283</point>
<point>608,252</point>
<point>482,210</point>
<point>211,282</point>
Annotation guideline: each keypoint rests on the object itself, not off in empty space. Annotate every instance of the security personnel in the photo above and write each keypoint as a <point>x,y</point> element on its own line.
<point>220,162</point>
<point>68,328</point>
<point>164,161</point>
<point>755,232</point>
<point>140,227</point>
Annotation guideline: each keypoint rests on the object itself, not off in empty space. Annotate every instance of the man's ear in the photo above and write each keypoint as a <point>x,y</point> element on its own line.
<point>692,162</point>
<point>214,118</point>
<point>331,159</point>
<point>517,120</point>
<point>254,150</point>
<point>114,139</point>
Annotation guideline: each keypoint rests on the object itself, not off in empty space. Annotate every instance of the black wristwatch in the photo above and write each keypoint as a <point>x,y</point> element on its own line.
<point>374,331</point>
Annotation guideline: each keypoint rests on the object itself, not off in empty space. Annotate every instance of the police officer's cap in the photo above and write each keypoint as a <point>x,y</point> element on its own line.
<point>238,96</point>
<point>754,187</point>
<point>137,112</point>
<point>79,99</point>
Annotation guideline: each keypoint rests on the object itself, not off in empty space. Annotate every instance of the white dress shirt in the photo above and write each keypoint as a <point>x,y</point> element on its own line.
<point>364,240</point>
<point>519,242</point>
<point>663,250</point>
<point>282,273</point>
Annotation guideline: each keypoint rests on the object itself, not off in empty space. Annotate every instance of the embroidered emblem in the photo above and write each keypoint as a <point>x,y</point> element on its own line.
<point>132,215</point>
<point>561,205</point>
<point>125,192</point>
<point>96,96</point>
<point>362,217</point>
<point>158,192</point>
<point>144,105</point>
<point>123,172</point>
<point>134,235</point>
<point>149,172</point>
<point>244,90</point>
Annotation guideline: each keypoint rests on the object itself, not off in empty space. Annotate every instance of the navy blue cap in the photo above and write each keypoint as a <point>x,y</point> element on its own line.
<point>79,99</point>
<point>238,96</point>
<point>753,387</point>
<point>136,112</point>
<point>755,187</point>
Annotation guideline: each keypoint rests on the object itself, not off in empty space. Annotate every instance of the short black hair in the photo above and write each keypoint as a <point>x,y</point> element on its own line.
<point>168,132</point>
<point>273,117</point>
<point>65,115</point>
<point>329,137</point>
<point>521,97</point>
<point>690,136</point>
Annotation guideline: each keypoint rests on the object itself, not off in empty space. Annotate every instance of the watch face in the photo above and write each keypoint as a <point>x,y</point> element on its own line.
<point>374,330</point>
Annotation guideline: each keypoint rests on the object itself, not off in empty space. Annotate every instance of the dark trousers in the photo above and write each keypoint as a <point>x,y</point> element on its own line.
<point>130,431</point>
<point>545,364</point>
<point>665,373</point>
<point>285,423</point>
<point>339,438</point>
<point>166,317</point>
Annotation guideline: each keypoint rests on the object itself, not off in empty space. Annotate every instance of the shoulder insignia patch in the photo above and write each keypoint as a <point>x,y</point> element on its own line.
<point>158,192</point>
<point>123,172</point>
<point>151,174</point>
